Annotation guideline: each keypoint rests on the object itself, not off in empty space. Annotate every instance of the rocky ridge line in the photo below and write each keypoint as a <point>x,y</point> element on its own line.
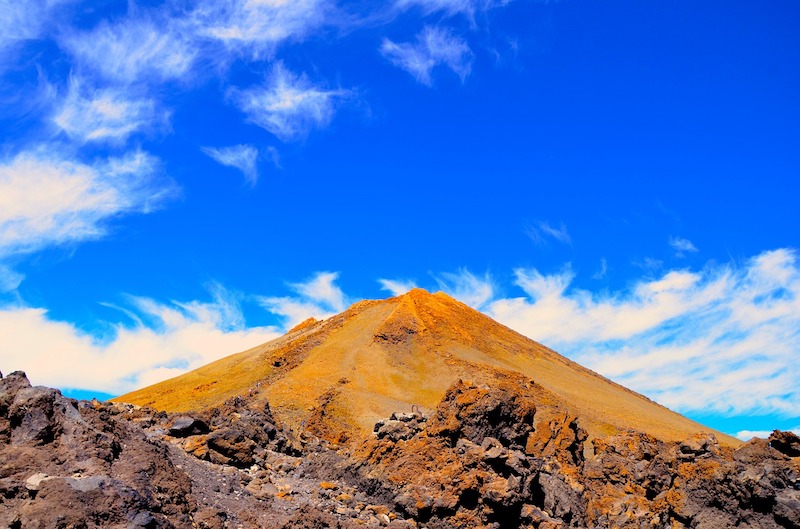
<point>486,458</point>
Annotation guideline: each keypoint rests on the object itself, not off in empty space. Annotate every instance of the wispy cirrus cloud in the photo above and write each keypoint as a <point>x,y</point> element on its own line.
<point>241,157</point>
<point>137,49</point>
<point>46,199</point>
<point>452,7</point>
<point>26,20</point>
<point>434,46</point>
<point>467,287</point>
<point>164,339</point>
<point>682,246</point>
<point>112,115</point>
<point>542,231</point>
<point>288,105</point>
<point>10,279</point>
<point>178,337</point>
<point>318,297</point>
<point>601,273</point>
<point>397,287</point>
<point>20,21</point>
<point>690,340</point>
<point>257,27</point>
<point>649,264</point>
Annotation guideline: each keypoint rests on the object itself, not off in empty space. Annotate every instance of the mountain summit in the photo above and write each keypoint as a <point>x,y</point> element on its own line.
<point>414,412</point>
<point>337,377</point>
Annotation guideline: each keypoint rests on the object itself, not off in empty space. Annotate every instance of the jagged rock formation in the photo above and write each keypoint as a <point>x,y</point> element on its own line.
<point>487,457</point>
<point>65,463</point>
<point>363,420</point>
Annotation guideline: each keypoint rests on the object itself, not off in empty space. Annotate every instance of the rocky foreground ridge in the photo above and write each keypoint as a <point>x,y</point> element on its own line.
<point>487,457</point>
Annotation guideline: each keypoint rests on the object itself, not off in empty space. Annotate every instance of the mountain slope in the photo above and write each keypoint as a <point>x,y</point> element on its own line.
<point>337,377</point>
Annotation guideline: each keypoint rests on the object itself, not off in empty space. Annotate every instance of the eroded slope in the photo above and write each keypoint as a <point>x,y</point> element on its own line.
<point>338,376</point>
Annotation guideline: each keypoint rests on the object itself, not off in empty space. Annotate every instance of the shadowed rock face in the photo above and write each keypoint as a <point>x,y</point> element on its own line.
<point>487,457</point>
<point>65,463</point>
<point>495,458</point>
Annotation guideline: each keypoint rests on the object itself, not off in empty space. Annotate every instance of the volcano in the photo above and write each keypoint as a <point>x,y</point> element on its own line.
<point>338,376</point>
<point>414,412</point>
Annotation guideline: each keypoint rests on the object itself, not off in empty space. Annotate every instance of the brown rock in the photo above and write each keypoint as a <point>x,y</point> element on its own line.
<point>63,464</point>
<point>474,413</point>
<point>786,443</point>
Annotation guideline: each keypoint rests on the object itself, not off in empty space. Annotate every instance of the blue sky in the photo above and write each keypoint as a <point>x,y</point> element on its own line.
<point>618,180</point>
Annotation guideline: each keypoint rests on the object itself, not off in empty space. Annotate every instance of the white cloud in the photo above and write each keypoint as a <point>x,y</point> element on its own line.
<point>397,287</point>
<point>649,264</point>
<point>746,435</point>
<point>723,339</point>
<point>241,157</point>
<point>543,230</point>
<point>434,46</point>
<point>258,26</point>
<point>288,105</point>
<point>88,114</point>
<point>185,336</point>
<point>274,156</point>
<point>9,279</point>
<point>452,7</point>
<point>682,246</point>
<point>23,20</point>
<point>467,287</point>
<point>319,297</point>
<point>20,21</point>
<point>600,274</point>
<point>322,289</point>
<point>135,50</point>
<point>47,200</point>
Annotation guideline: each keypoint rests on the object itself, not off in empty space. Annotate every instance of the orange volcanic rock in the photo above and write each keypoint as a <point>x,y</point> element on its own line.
<point>337,377</point>
<point>496,456</point>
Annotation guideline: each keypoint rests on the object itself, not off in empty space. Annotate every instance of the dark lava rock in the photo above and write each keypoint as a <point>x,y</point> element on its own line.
<point>487,458</point>
<point>472,412</point>
<point>466,469</point>
<point>786,443</point>
<point>64,465</point>
<point>184,426</point>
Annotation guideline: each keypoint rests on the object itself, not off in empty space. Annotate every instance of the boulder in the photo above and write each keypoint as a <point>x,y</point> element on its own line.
<point>786,443</point>
<point>184,426</point>
<point>474,413</point>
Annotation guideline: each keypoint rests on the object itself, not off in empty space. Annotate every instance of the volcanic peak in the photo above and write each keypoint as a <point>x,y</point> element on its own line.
<point>338,376</point>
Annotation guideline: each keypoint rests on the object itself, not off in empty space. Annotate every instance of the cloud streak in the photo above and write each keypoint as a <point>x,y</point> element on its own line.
<point>396,287</point>
<point>467,8</point>
<point>318,297</point>
<point>467,287</point>
<point>165,340</point>
<point>135,50</point>
<point>434,46</point>
<point>542,231</point>
<point>108,114</point>
<point>25,20</point>
<point>181,337</point>
<point>48,200</point>
<point>288,105</point>
<point>241,157</point>
<point>682,246</point>
<point>722,339</point>
<point>258,27</point>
